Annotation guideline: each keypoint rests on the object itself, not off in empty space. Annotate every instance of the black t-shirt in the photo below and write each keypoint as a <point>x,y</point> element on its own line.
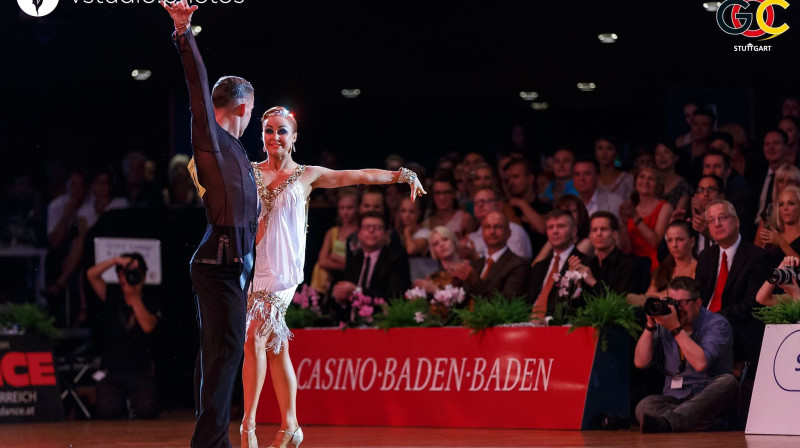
<point>126,347</point>
<point>537,239</point>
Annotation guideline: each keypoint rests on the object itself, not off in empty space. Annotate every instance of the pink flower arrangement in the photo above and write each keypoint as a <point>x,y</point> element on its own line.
<point>307,297</point>
<point>569,285</point>
<point>362,307</point>
<point>449,296</point>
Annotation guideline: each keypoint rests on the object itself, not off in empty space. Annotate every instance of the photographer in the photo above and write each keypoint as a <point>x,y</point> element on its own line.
<point>128,322</point>
<point>785,277</point>
<point>693,348</point>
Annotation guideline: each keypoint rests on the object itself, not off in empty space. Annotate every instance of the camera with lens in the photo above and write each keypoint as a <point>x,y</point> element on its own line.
<point>134,275</point>
<point>654,306</point>
<point>783,275</point>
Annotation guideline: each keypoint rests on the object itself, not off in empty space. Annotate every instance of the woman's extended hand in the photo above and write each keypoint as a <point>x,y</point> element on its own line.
<point>180,11</point>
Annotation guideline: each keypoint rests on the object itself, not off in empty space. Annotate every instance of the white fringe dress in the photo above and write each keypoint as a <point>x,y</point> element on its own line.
<point>280,256</point>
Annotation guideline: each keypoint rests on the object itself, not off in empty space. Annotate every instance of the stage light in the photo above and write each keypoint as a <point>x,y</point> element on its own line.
<point>528,96</point>
<point>141,75</point>
<point>351,93</point>
<point>539,105</point>
<point>607,38</point>
<point>712,6</point>
<point>586,86</point>
<point>196,29</point>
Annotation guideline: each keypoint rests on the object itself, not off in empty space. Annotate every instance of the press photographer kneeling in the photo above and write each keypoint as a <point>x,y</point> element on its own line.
<point>784,277</point>
<point>128,319</point>
<point>693,347</point>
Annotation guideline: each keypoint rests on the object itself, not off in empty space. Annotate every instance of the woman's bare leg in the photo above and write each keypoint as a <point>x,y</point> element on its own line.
<point>284,382</point>
<point>254,370</point>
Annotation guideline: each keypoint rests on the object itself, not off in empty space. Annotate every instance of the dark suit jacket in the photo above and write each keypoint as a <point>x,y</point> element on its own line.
<point>538,273</point>
<point>745,201</point>
<point>749,270</point>
<point>509,275</point>
<point>619,272</point>
<point>391,276</point>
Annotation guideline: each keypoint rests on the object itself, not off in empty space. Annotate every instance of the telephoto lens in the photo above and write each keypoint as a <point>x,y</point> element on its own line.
<point>654,306</point>
<point>783,276</point>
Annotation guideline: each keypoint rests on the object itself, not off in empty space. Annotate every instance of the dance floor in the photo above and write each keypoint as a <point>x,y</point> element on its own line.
<point>174,429</point>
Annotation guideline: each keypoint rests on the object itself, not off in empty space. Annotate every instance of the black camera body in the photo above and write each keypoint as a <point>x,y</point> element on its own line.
<point>654,306</point>
<point>133,276</point>
<point>783,275</point>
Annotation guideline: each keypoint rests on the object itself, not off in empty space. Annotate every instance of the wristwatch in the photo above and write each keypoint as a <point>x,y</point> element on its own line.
<point>675,331</point>
<point>651,329</point>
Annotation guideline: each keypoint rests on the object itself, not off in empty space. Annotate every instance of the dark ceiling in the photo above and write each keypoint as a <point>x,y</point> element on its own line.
<point>434,75</point>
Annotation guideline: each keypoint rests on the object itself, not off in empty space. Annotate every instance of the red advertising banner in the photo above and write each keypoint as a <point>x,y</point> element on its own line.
<point>527,377</point>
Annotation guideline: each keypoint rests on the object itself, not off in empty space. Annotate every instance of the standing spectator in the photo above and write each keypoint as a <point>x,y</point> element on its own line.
<point>101,199</point>
<point>688,110</point>
<point>612,180</point>
<point>692,347</point>
<point>677,190</point>
<point>646,216</point>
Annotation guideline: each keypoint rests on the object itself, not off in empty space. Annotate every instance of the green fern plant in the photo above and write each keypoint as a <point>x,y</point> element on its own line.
<point>400,312</point>
<point>785,311</point>
<point>299,317</point>
<point>31,319</point>
<point>494,310</point>
<point>604,310</point>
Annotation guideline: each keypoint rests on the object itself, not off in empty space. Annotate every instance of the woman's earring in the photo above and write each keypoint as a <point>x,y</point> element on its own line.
<point>294,148</point>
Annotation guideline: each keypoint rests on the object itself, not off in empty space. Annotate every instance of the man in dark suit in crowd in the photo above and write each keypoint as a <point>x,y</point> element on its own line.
<point>500,270</point>
<point>609,266</point>
<point>561,234</point>
<point>776,153</point>
<point>730,274</point>
<point>735,189</point>
<point>379,269</point>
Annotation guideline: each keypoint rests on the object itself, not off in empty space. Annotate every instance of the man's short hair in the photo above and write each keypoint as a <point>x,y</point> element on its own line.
<point>557,213</point>
<point>685,284</point>
<point>793,119</point>
<point>722,135</point>
<point>612,219</point>
<point>728,207</point>
<point>718,180</point>
<point>705,112</point>
<point>371,214</point>
<point>229,89</point>
<point>587,159</point>
<point>726,159</point>
<point>493,190</point>
<point>526,165</point>
<point>780,132</point>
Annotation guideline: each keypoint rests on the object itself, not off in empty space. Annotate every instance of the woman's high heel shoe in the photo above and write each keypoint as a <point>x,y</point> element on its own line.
<point>286,439</point>
<point>250,435</point>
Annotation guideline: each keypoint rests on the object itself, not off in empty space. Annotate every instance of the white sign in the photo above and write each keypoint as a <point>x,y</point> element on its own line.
<point>775,405</point>
<point>105,248</point>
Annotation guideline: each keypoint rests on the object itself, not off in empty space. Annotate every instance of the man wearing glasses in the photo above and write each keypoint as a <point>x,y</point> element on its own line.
<point>693,348</point>
<point>730,274</point>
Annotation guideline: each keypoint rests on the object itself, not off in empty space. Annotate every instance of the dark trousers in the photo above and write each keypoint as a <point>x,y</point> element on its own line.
<point>221,310</point>
<point>117,387</point>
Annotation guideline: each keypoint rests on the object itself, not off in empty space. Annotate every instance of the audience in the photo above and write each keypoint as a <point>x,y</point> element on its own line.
<point>520,182</point>
<point>446,252</point>
<point>681,261</point>
<point>487,200</point>
<point>677,189</point>
<point>785,175</point>
<point>575,207</point>
<point>784,239</point>
<point>446,208</point>
<point>646,216</point>
<point>734,186</point>
<point>562,173</point>
<point>585,178</point>
<point>612,179</point>
<point>791,291</point>
<point>330,265</point>
<point>775,154</point>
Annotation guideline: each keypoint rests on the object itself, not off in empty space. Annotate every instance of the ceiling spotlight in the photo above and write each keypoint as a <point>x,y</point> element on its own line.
<point>539,105</point>
<point>196,29</point>
<point>528,96</point>
<point>586,86</point>
<point>351,93</point>
<point>607,38</point>
<point>141,75</point>
<point>712,6</point>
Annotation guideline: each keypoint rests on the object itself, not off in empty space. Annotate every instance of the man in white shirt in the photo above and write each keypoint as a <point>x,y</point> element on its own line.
<point>585,180</point>
<point>487,200</point>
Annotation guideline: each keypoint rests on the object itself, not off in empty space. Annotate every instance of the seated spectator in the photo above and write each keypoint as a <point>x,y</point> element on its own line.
<point>763,182</point>
<point>520,183</point>
<point>677,189</point>
<point>445,250</point>
<point>681,261</point>
<point>463,185</point>
<point>693,348</point>
<point>791,291</point>
<point>180,191</point>
<point>646,216</point>
<point>371,201</point>
<point>408,226</point>
<point>331,260</point>
<point>562,173</point>
<point>446,209</point>
<point>100,198</point>
<point>785,175</point>
<point>129,319</point>
<point>784,239</point>
<point>561,234</point>
<point>585,177</point>
<point>573,205</point>
<point>500,270</point>
<point>487,200</point>
<point>735,188</point>
<point>741,159</point>
<point>609,266</point>
<point>730,274</point>
<point>379,269</point>
<point>393,194</point>
<point>709,189</point>
<point>702,124</point>
<point>612,179</point>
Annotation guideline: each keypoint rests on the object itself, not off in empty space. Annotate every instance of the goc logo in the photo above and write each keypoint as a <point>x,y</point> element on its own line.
<point>37,8</point>
<point>741,22</point>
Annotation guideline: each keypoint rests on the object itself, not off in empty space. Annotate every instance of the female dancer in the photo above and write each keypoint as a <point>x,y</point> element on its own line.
<point>284,187</point>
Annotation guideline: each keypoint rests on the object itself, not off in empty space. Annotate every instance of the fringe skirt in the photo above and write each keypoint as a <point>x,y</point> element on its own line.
<point>268,309</point>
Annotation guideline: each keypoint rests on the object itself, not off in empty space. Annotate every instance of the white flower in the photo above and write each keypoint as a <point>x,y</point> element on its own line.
<point>416,293</point>
<point>419,317</point>
<point>449,296</point>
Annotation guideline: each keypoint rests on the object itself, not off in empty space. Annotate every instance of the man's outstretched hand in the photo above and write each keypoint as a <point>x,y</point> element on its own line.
<point>181,13</point>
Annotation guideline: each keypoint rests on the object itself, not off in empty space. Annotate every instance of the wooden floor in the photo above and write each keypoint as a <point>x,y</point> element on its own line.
<point>174,429</point>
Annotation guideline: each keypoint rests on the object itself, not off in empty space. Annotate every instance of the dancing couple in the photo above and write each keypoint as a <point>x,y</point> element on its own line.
<point>236,313</point>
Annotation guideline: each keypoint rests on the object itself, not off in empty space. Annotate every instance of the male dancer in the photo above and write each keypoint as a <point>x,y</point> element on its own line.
<point>221,266</point>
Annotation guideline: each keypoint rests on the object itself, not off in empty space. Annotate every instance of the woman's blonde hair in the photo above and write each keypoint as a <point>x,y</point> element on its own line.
<point>445,232</point>
<point>780,225</point>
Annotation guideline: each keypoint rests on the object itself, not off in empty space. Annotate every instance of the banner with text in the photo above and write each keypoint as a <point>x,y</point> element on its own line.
<point>28,386</point>
<point>524,377</point>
